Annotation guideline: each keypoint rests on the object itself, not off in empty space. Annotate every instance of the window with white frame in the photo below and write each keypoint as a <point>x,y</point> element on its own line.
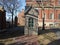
<point>58,2</point>
<point>59,16</point>
<point>44,16</point>
<point>51,16</point>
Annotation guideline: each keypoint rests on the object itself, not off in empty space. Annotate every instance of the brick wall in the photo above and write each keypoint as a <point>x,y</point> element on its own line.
<point>47,12</point>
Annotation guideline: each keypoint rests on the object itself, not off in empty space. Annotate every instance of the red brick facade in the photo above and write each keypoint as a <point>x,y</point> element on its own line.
<point>51,11</point>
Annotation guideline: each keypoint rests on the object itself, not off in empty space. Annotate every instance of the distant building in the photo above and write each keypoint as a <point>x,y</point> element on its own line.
<point>2,18</point>
<point>49,9</point>
<point>21,19</point>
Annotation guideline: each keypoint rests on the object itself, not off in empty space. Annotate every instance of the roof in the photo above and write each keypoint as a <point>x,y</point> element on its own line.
<point>27,9</point>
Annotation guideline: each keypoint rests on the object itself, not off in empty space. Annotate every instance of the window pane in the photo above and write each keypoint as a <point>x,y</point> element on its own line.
<point>58,2</point>
<point>51,16</point>
<point>30,23</point>
<point>44,16</point>
<point>59,16</point>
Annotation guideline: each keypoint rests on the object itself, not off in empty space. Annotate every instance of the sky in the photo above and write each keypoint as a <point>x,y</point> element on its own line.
<point>22,6</point>
<point>23,3</point>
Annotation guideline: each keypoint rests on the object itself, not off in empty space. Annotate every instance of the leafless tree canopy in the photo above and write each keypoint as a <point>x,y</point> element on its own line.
<point>10,5</point>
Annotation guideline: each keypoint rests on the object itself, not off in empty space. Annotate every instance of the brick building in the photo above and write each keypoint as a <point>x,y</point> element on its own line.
<point>29,19</point>
<point>49,10</point>
<point>2,18</point>
<point>21,19</point>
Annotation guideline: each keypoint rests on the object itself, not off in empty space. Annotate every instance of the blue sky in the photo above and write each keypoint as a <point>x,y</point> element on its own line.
<point>22,6</point>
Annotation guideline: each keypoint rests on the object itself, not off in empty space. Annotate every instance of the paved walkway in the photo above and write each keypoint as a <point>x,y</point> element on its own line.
<point>50,37</point>
<point>22,40</point>
<point>46,37</point>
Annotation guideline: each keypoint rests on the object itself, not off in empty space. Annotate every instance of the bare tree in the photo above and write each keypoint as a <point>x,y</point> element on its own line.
<point>10,6</point>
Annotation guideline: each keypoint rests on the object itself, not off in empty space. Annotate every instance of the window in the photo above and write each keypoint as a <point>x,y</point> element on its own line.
<point>59,16</point>
<point>51,16</point>
<point>58,2</point>
<point>51,25</point>
<point>30,23</point>
<point>44,16</point>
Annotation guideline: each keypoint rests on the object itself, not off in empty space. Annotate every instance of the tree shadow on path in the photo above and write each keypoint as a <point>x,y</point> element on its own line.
<point>40,31</point>
<point>55,42</point>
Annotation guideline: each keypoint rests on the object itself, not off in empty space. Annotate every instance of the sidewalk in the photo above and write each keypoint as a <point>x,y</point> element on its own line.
<point>21,40</point>
<point>49,37</point>
<point>46,37</point>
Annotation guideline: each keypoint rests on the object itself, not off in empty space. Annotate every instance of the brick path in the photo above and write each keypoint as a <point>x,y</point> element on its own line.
<point>42,39</point>
<point>22,40</point>
<point>28,40</point>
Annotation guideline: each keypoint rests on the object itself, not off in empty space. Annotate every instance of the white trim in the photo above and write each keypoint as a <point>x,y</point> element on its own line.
<point>32,16</point>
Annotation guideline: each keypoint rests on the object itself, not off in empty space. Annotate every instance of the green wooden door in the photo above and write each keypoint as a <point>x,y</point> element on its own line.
<point>30,23</point>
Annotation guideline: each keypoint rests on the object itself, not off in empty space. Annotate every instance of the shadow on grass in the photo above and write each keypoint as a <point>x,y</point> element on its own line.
<point>40,31</point>
<point>55,42</point>
<point>13,32</point>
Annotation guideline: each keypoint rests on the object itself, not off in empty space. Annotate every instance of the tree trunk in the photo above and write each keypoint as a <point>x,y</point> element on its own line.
<point>43,28</point>
<point>12,19</point>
